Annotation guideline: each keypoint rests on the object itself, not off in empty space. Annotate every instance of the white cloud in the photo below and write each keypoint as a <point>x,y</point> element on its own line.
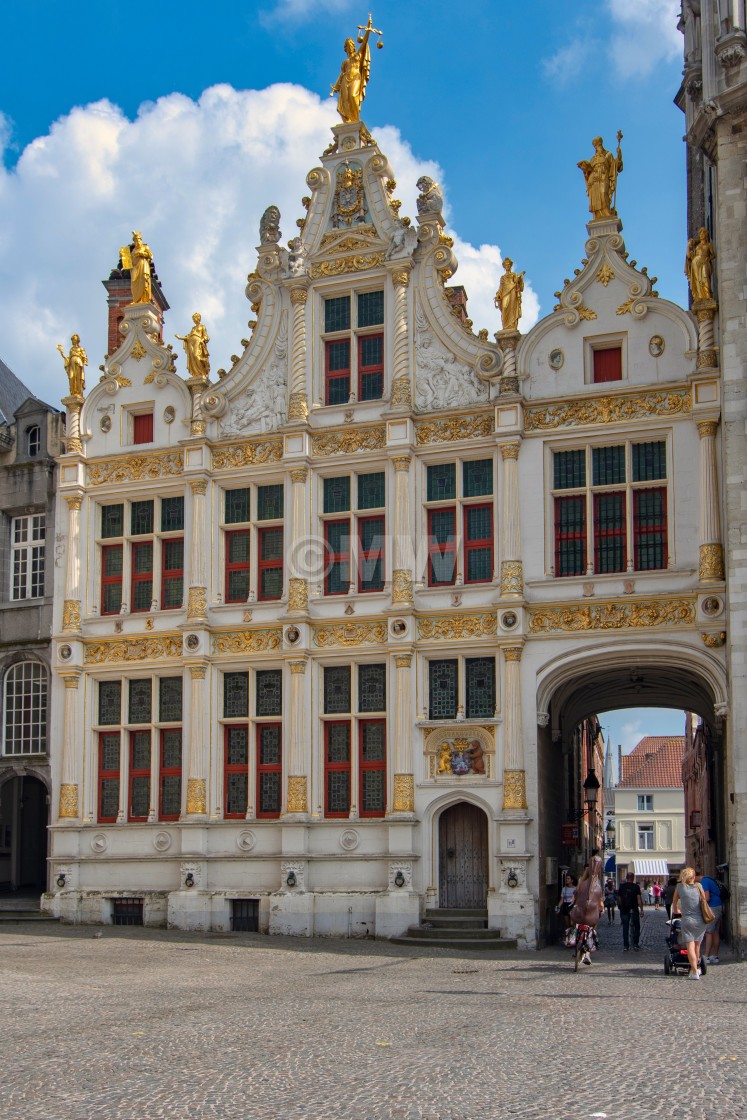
<point>299,11</point>
<point>645,35</point>
<point>195,177</point>
<point>568,60</point>
<point>630,735</point>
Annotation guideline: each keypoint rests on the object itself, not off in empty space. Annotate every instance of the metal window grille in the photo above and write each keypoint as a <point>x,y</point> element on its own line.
<point>245,915</point>
<point>477,478</point>
<point>25,706</point>
<point>371,491</point>
<point>442,689</point>
<point>649,461</point>
<point>337,494</point>
<point>336,689</point>
<point>608,465</point>
<point>235,694</point>
<point>269,689</point>
<point>127,911</point>
<point>372,688</point>
<point>141,518</point>
<point>480,681</point>
<point>370,309</point>
<point>441,482</point>
<point>569,470</point>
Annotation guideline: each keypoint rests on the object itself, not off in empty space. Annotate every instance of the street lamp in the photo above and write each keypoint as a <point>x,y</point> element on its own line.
<point>609,836</point>
<point>591,791</point>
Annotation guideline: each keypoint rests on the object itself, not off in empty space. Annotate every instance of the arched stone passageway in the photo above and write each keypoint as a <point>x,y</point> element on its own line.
<point>572,691</point>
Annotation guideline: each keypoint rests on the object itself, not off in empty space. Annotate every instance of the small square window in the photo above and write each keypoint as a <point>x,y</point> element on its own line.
<point>142,428</point>
<point>607,364</point>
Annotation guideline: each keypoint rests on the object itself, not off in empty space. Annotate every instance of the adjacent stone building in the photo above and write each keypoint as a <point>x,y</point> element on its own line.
<point>30,440</point>
<point>326,626</point>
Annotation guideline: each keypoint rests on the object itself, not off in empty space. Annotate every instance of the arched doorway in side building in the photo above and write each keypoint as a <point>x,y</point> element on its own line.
<point>573,816</point>
<point>463,858</point>
<point>24,816</point>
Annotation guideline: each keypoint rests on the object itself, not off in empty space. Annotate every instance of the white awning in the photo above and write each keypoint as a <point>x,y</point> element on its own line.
<point>654,868</point>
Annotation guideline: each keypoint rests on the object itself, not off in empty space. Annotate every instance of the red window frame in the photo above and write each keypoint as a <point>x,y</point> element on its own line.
<point>108,775</point>
<point>336,557</point>
<point>337,374</point>
<point>140,577</point>
<point>106,580</point>
<point>378,367</point>
<point>478,543</point>
<point>618,532</point>
<point>236,565</point>
<point>370,556</point>
<point>167,772</point>
<point>661,527</point>
<point>268,768</point>
<point>142,428</point>
<point>368,766</point>
<point>577,535</point>
<point>268,565</point>
<point>441,550</point>
<point>234,768</point>
<point>607,364</point>
<point>139,773</point>
<point>332,767</point>
<point>169,574</point>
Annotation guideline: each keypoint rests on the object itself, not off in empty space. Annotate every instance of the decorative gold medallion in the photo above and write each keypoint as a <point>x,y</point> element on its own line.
<point>68,801</point>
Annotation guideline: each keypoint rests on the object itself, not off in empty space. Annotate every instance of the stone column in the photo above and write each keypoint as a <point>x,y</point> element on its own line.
<point>71,604</point>
<point>711,566</point>
<point>297,799</point>
<point>512,575</point>
<point>298,584</point>
<point>68,783</point>
<point>298,405</point>
<point>508,341</point>
<point>514,774</point>
<point>198,762</point>
<point>402,595</point>
<point>197,596</point>
<point>401,391</point>
<point>73,442</point>
<point>403,800</point>
<point>705,312</point>
<point>197,387</point>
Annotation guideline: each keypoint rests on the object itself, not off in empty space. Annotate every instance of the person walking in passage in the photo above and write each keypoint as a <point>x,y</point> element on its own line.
<point>686,905</point>
<point>565,902</point>
<point>712,935</point>
<point>589,906</point>
<point>656,891</point>
<point>630,902</point>
<point>668,894</point>
<point>610,901</point>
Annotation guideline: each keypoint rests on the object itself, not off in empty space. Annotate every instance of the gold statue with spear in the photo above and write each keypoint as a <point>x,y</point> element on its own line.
<point>600,176</point>
<point>350,87</point>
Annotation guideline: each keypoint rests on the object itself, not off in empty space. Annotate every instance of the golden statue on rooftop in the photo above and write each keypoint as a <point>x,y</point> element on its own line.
<point>195,347</point>
<point>508,296</point>
<point>600,176</point>
<point>350,87</point>
<point>138,258</point>
<point>75,366</point>
<point>699,266</point>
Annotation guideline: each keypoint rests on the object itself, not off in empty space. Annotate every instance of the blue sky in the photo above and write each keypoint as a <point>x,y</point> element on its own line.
<point>629,725</point>
<point>186,122</point>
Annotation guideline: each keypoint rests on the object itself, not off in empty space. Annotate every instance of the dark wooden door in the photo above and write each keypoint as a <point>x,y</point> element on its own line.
<point>463,858</point>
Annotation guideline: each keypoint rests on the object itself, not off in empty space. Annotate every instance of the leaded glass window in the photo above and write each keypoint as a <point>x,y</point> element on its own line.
<point>269,687</point>
<point>371,491</point>
<point>443,688</point>
<point>478,478</point>
<point>480,681</point>
<point>270,792</point>
<point>336,689</point>
<point>338,742</point>
<point>112,521</point>
<point>442,482</point>
<point>141,518</point>
<point>337,314</point>
<point>172,514</point>
<point>649,461</point>
<point>237,505</point>
<point>237,793</point>
<point>370,309</point>
<point>373,791</point>
<point>269,502</point>
<point>269,745</point>
<point>569,469</point>
<point>170,699</point>
<point>140,701</point>
<point>337,494</point>
<point>372,688</point>
<point>237,746</point>
<point>235,694</point>
<point>110,702</point>
<point>609,532</point>
<point>338,792</point>
<point>608,465</point>
<point>172,748</point>
<point>650,529</point>
<point>570,536</point>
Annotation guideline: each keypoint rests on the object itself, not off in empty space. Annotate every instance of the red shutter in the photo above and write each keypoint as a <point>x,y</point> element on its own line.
<point>607,365</point>
<point>142,428</point>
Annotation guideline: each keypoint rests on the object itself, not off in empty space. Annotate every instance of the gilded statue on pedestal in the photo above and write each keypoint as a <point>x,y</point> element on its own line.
<point>699,266</point>
<point>350,87</point>
<point>137,258</point>
<point>195,347</point>
<point>600,176</point>
<point>508,296</point>
<point>75,365</point>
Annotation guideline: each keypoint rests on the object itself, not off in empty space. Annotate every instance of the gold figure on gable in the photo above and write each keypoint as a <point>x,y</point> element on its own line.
<point>508,296</point>
<point>75,366</point>
<point>699,265</point>
<point>196,349</point>
<point>600,176</point>
<point>350,87</point>
<point>138,258</point>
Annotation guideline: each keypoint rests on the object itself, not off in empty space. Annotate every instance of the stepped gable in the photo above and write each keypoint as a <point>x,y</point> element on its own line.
<point>656,763</point>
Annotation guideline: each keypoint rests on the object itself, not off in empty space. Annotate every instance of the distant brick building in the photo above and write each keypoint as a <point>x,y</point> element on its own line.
<point>650,809</point>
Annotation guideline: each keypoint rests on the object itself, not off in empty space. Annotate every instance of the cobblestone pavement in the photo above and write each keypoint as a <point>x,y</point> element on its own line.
<point>144,1024</point>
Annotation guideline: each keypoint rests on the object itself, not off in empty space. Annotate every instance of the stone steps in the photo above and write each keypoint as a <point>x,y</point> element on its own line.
<point>25,916</point>
<point>456,929</point>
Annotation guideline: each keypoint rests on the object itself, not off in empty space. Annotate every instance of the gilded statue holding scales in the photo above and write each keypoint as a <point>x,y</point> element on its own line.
<point>600,176</point>
<point>138,259</point>
<point>350,87</point>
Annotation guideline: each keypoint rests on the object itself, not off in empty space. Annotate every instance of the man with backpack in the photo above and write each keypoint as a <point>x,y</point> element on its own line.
<point>630,901</point>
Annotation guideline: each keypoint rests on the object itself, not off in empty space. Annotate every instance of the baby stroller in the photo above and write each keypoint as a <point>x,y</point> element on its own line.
<point>676,955</point>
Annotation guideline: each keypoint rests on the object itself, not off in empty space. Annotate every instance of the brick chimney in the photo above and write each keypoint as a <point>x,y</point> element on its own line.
<point>119,296</point>
<point>457,297</point>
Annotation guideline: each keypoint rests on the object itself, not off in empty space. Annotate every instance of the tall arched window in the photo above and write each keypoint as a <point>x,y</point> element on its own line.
<point>25,709</point>
<point>33,440</point>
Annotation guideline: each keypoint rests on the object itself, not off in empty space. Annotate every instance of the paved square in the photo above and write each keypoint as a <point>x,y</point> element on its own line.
<point>143,1024</point>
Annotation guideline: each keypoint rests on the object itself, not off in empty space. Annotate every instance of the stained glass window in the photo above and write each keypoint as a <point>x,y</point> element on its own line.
<point>269,745</point>
<point>140,701</point>
<point>338,742</point>
<point>570,536</point>
<point>442,482</point>
<point>112,521</point>
<point>478,478</point>
<point>336,689</point>
<point>270,792</point>
<point>650,529</point>
<point>569,469</point>
<point>338,792</point>
<point>480,681</point>
<point>237,505</point>
<point>237,746</point>
<point>371,490</point>
<point>110,702</point>
<point>269,502</point>
<point>442,692</point>
<point>337,494</point>
<point>373,741</point>
<point>172,514</point>
<point>235,694</point>
<point>141,518</point>
<point>269,684</point>
<point>171,741</point>
<point>172,583</point>
<point>371,688</point>
<point>370,309</point>
<point>237,792</point>
<point>171,796</point>
<point>170,699</point>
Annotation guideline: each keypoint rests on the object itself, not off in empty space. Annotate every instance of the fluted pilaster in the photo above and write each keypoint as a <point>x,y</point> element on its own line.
<point>197,595</point>
<point>298,582</point>
<point>402,593</point>
<point>514,772</point>
<point>297,798</point>
<point>404,782</point>
<point>512,576</point>
<point>69,806</point>
<point>71,619</point>
<point>198,744</point>
<point>711,565</point>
